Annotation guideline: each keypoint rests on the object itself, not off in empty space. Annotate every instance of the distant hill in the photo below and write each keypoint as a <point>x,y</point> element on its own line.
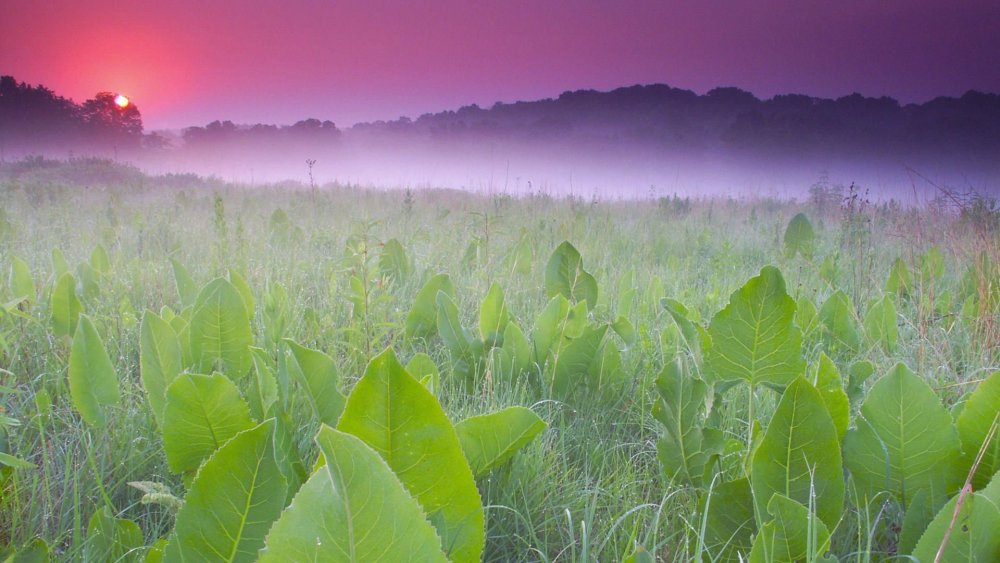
<point>661,115</point>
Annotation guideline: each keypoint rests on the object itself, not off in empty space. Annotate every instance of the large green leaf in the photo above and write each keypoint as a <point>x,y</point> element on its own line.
<point>491,439</point>
<point>899,281</point>
<point>695,338</point>
<point>729,522</point>
<point>187,289</point>
<point>575,361</point>
<point>93,383</point>
<point>65,306</point>
<point>233,501</point>
<point>21,284</point>
<point>352,509</point>
<point>159,360</point>
<point>904,441</point>
<point>688,448</point>
<point>831,387</point>
<point>466,351</point>
<point>220,330</point>
<point>974,424</point>
<point>799,455</point>
<point>493,316</point>
<point>793,534</point>
<point>402,421</point>
<point>392,262</point>
<point>754,338</point>
<point>202,412</point>
<point>564,275</point>
<point>112,539</point>
<point>318,376</point>
<point>421,322</point>
<point>799,237</point>
<point>880,324</point>
<point>973,535</point>
<point>839,324</point>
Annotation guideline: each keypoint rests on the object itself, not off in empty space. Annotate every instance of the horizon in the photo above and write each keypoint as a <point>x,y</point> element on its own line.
<point>356,63</point>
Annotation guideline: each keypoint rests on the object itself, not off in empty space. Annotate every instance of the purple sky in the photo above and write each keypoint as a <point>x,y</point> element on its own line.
<point>191,61</point>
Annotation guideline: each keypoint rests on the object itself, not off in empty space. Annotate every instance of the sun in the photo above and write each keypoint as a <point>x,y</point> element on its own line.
<point>121,101</point>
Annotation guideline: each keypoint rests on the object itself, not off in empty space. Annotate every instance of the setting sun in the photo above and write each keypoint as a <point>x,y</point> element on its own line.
<point>121,101</point>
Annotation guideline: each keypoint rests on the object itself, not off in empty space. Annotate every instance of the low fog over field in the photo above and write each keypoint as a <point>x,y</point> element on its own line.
<point>636,142</point>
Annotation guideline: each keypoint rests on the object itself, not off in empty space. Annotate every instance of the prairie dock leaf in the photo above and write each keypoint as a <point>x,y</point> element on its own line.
<point>799,455</point>
<point>903,418</point>
<point>352,509</point>
<point>564,275</point>
<point>159,360</point>
<point>220,330</point>
<point>233,501</point>
<point>421,322</point>
<point>93,383</point>
<point>754,338</point>
<point>65,306</point>
<point>202,412</point>
<point>318,376</point>
<point>974,426</point>
<point>491,439</point>
<point>401,420</point>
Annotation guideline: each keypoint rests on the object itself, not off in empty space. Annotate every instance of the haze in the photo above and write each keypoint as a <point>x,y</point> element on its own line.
<point>188,63</point>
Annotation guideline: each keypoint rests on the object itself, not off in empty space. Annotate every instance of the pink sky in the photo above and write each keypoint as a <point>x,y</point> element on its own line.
<point>191,61</point>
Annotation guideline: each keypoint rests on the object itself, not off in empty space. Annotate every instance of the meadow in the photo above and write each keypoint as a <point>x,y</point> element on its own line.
<point>192,370</point>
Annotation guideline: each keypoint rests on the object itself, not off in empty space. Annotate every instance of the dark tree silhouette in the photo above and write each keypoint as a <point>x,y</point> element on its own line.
<point>106,118</point>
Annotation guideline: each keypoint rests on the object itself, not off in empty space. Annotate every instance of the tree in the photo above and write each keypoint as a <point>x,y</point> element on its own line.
<point>106,118</point>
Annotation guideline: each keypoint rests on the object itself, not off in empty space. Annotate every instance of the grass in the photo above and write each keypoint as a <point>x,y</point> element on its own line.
<point>591,488</point>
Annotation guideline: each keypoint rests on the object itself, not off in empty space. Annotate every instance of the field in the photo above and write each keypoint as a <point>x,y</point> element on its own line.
<point>194,370</point>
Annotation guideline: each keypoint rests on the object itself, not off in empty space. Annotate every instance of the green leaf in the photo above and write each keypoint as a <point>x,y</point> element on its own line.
<point>573,364</point>
<point>799,237</point>
<point>93,383</point>
<point>421,322</point>
<point>420,366</point>
<point>974,424</point>
<point>489,440</point>
<point>688,448</point>
<point>159,360</point>
<point>729,523</point>
<point>974,536</point>
<point>21,284</point>
<point>99,260</point>
<point>549,328</point>
<point>806,316</point>
<point>353,508</point>
<point>263,390</point>
<point>905,441</point>
<point>515,356</point>
<point>187,289</point>
<point>840,328</point>
<point>220,330</point>
<point>112,539</point>
<point>59,264</point>
<point>402,421</point>
<point>493,316</point>
<point>899,282</point>
<point>318,376</point>
<point>233,501</point>
<point>246,293</point>
<point>392,262</point>
<point>794,534</point>
<point>880,324</point>
<point>463,348</point>
<point>202,412</point>
<point>564,275</point>
<point>799,455</point>
<point>65,306</point>
<point>754,338</point>
<point>35,552</point>
<point>830,386</point>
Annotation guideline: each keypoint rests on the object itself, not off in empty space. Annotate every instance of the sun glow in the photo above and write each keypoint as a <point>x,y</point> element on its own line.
<point>121,101</point>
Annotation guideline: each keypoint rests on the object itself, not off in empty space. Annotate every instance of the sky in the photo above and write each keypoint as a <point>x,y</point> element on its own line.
<point>188,62</point>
